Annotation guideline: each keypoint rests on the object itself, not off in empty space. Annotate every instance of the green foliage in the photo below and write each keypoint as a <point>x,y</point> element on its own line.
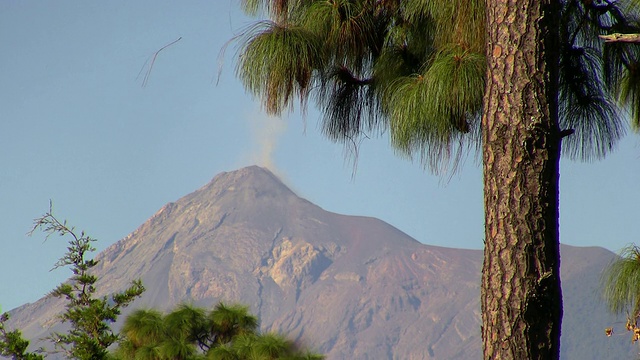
<point>229,321</point>
<point>365,55</point>
<point>89,316</point>
<point>296,53</point>
<point>13,345</point>
<point>428,111</point>
<point>591,74</point>
<point>629,93</point>
<point>225,332</point>
<point>278,9</point>
<point>621,282</point>
<point>417,69</point>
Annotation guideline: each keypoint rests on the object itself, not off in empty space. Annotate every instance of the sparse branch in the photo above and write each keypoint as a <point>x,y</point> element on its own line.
<point>48,224</point>
<point>81,243</point>
<point>617,37</point>
<point>89,316</point>
<point>145,80</point>
<point>566,132</point>
<point>346,76</point>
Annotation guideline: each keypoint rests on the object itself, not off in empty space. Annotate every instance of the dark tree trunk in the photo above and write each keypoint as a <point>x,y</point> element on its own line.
<point>521,295</point>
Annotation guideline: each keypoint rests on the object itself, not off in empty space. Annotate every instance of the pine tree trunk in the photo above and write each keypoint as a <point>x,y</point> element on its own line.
<point>521,295</point>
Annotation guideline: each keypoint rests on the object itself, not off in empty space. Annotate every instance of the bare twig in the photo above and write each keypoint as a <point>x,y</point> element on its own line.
<point>629,38</point>
<point>352,151</point>
<point>145,80</point>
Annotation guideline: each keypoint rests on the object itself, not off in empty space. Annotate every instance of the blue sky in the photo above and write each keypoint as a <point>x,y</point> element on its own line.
<point>78,127</point>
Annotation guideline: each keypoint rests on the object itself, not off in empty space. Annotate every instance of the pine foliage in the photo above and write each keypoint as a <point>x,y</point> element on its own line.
<point>13,345</point>
<point>225,332</point>
<point>417,70</point>
<point>621,282</point>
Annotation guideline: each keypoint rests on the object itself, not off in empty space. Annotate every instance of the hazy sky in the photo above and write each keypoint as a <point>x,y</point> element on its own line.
<point>78,127</point>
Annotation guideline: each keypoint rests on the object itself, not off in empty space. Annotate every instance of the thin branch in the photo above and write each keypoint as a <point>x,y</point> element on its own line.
<point>352,151</point>
<point>145,80</point>
<point>617,37</point>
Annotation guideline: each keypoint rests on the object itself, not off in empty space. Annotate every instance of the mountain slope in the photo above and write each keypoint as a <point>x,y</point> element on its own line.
<point>350,287</point>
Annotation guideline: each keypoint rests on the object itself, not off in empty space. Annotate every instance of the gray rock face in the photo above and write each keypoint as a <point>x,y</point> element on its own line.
<point>350,287</point>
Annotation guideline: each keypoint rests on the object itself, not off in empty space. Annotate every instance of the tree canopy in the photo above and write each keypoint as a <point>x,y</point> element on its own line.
<point>417,70</point>
<point>188,332</point>
<point>518,79</point>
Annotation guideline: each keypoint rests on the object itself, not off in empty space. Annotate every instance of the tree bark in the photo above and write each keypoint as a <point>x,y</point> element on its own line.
<point>521,294</point>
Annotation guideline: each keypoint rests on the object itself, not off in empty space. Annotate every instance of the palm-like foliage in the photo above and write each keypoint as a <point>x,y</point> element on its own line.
<point>143,332</point>
<point>593,75</point>
<point>417,69</point>
<point>226,332</point>
<point>224,352</point>
<point>228,321</point>
<point>143,327</point>
<point>149,335</point>
<point>278,78</point>
<point>621,282</point>
<point>272,346</point>
<point>186,325</point>
<point>262,347</point>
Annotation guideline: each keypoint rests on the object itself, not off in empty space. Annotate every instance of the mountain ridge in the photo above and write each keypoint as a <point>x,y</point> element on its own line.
<point>352,287</point>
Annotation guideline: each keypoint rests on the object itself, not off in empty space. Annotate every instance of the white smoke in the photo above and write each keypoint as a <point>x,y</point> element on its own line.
<point>265,133</point>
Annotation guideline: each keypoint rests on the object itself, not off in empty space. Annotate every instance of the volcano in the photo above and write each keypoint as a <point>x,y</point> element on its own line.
<point>350,287</point>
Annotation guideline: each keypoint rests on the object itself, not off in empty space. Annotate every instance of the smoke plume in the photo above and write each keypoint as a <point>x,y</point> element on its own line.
<point>265,132</point>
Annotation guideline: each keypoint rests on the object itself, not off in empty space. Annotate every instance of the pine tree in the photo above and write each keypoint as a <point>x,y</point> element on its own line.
<point>519,79</point>
<point>90,317</point>
<point>13,345</point>
<point>225,332</point>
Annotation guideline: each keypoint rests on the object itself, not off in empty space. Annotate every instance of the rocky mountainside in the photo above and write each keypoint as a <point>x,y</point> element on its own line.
<point>350,287</point>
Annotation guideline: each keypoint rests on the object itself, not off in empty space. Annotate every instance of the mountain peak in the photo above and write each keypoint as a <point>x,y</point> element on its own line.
<point>252,181</point>
<point>250,172</point>
<point>352,287</point>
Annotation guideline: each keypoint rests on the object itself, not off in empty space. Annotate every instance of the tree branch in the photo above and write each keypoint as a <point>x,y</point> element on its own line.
<point>145,80</point>
<point>629,38</point>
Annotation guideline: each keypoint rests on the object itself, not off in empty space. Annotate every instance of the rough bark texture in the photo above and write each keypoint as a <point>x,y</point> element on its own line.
<point>521,295</point>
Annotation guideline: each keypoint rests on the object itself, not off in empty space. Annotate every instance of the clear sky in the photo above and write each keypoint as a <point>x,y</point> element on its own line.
<point>78,127</point>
